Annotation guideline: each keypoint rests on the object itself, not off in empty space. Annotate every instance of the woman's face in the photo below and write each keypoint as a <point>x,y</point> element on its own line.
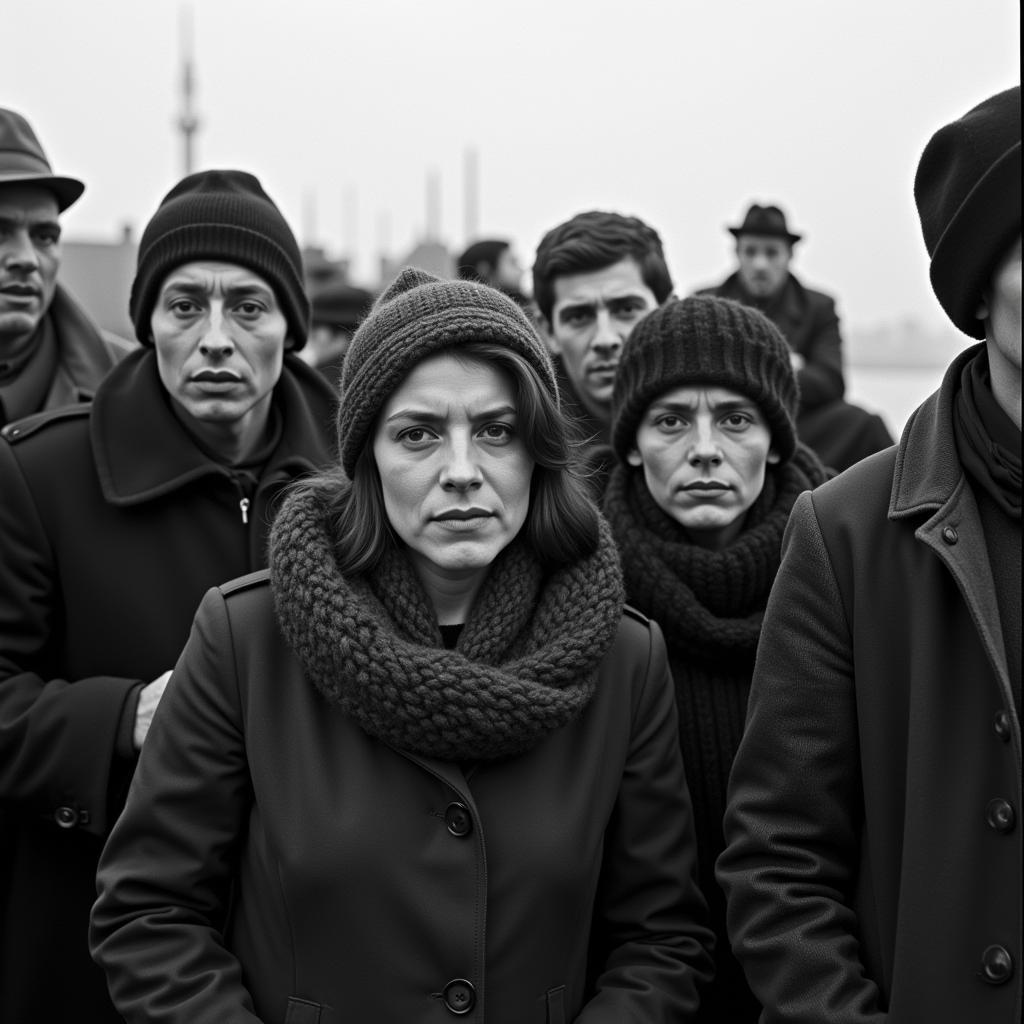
<point>704,451</point>
<point>454,471</point>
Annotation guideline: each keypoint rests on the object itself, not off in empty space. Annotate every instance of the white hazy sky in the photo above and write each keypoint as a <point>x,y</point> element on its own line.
<point>677,111</point>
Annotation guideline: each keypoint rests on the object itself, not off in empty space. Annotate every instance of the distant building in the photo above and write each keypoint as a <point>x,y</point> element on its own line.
<point>99,275</point>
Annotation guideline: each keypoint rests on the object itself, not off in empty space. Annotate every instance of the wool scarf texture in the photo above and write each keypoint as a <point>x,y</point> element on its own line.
<point>524,666</point>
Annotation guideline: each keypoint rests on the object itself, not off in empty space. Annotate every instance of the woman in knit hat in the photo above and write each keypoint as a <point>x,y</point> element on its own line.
<point>115,519</point>
<point>709,468</point>
<point>431,766</point>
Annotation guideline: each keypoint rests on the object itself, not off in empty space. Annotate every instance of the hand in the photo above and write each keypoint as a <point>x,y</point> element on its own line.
<point>149,698</point>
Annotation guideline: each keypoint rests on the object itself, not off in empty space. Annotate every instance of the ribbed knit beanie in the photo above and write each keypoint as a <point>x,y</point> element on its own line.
<point>711,341</point>
<point>968,189</point>
<point>220,215</point>
<point>418,316</point>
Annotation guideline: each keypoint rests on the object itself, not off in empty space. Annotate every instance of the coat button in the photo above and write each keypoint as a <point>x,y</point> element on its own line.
<point>458,819</point>
<point>1000,815</point>
<point>1001,724</point>
<point>66,817</point>
<point>996,965</point>
<point>460,996</point>
<point>949,535</point>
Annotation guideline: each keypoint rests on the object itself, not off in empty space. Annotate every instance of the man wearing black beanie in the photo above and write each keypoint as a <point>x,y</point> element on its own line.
<point>873,857</point>
<point>115,520</point>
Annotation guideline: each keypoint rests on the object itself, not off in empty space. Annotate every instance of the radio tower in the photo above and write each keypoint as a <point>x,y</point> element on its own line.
<point>188,122</point>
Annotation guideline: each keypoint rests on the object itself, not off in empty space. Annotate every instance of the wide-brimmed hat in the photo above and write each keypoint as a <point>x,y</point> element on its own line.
<point>23,162</point>
<point>769,221</point>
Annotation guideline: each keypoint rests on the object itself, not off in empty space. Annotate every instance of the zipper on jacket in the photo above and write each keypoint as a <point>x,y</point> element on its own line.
<point>243,505</point>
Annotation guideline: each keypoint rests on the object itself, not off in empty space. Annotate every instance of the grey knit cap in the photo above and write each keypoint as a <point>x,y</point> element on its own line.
<point>416,317</point>
<point>711,341</point>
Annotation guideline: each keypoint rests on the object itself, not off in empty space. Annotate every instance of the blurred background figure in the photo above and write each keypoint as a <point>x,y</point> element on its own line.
<point>337,310</point>
<point>51,352</point>
<point>839,432</point>
<point>493,261</point>
<point>708,470</point>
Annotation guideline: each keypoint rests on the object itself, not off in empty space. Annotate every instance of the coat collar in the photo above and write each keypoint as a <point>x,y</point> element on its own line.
<point>928,468</point>
<point>142,451</point>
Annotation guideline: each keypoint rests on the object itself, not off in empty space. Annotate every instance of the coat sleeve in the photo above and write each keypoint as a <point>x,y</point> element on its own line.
<point>821,377</point>
<point>795,805</point>
<point>650,947</point>
<point>165,875</point>
<point>58,737</point>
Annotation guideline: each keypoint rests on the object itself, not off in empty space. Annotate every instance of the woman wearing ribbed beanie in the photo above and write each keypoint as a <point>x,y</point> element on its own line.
<point>708,470</point>
<point>428,765</point>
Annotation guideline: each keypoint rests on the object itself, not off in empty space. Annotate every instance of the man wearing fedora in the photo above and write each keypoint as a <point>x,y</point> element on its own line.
<point>839,432</point>
<point>873,842</point>
<point>51,354</point>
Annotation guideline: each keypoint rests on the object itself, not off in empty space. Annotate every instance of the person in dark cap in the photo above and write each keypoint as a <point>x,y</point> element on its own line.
<point>708,470</point>
<point>873,842</point>
<point>840,432</point>
<point>432,768</point>
<point>51,353</point>
<point>338,309</point>
<point>116,517</point>
<point>493,261</point>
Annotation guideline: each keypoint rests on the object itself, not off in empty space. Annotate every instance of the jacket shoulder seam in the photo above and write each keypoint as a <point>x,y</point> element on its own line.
<point>18,430</point>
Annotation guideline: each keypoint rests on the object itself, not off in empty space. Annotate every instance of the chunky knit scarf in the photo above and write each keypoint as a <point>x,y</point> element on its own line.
<point>710,603</point>
<point>525,663</point>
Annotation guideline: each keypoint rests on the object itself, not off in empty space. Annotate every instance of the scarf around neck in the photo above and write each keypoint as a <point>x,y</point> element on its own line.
<point>524,665</point>
<point>709,603</point>
<point>987,440</point>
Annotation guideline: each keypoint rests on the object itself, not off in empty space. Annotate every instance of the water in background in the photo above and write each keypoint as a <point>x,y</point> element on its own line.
<point>894,392</point>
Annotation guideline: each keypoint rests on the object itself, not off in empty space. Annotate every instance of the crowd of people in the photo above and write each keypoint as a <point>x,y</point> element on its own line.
<point>575,656</point>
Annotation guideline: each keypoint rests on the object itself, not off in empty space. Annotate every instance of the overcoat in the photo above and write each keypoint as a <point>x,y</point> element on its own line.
<point>113,524</point>
<point>375,884</point>
<point>873,860</point>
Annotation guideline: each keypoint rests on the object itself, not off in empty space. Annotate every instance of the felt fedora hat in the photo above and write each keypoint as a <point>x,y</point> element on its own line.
<point>23,162</point>
<point>765,220</point>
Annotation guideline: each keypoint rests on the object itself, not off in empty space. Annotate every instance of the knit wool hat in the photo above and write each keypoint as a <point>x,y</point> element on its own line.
<point>968,189</point>
<point>711,341</point>
<point>416,317</point>
<point>226,216</point>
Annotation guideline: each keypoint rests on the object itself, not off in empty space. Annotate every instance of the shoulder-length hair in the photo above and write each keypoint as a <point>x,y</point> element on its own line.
<point>562,522</point>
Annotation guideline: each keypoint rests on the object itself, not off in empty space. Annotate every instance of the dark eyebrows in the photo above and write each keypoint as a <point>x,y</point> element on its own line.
<point>13,223</point>
<point>198,289</point>
<point>429,416</point>
<point>576,308</point>
<point>727,405</point>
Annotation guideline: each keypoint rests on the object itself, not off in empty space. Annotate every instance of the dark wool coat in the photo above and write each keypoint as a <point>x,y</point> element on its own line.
<point>873,860</point>
<point>113,525</point>
<point>85,355</point>
<point>372,884</point>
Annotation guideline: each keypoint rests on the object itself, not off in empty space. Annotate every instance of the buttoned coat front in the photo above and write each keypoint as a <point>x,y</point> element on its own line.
<point>113,524</point>
<point>357,882</point>
<point>873,860</point>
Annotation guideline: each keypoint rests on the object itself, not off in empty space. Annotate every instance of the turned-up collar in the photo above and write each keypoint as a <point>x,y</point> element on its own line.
<point>928,467</point>
<point>142,451</point>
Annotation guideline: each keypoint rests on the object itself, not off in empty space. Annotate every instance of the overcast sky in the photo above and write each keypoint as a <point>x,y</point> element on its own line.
<point>679,112</point>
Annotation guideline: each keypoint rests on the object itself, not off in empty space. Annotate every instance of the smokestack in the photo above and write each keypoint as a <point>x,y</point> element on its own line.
<point>433,232</point>
<point>471,194</point>
<point>188,121</point>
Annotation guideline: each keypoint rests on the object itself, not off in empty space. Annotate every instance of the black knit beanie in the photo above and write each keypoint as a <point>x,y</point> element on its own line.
<point>418,316</point>
<point>711,341</point>
<point>220,215</point>
<point>968,188</point>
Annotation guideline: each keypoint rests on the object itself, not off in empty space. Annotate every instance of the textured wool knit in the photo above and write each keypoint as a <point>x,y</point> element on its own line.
<point>710,605</point>
<point>224,216</point>
<point>416,317</point>
<point>524,665</point>
<point>705,340</point>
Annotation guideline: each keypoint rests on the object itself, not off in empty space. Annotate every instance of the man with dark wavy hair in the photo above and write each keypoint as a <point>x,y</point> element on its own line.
<point>594,278</point>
